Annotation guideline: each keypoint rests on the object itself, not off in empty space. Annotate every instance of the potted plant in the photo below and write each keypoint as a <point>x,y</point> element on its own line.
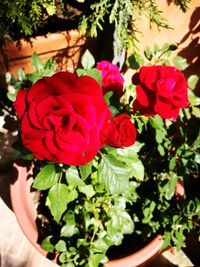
<point>113,162</point>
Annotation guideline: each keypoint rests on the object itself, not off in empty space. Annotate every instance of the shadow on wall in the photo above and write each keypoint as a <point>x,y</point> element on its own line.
<point>192,51</point>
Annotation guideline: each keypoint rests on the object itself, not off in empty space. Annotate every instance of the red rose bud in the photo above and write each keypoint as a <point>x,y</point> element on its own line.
<point>160,90</point>
<point>112,80</point>
<point>120,131</point>
<point>61,118</point>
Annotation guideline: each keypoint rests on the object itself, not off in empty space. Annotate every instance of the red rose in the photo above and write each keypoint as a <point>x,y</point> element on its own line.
<point>112,80</point>
<point>160,90</point>
<point>120,131</point>
<point>61,118</point>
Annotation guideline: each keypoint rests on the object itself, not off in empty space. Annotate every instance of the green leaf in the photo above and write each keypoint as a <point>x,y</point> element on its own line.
<point>167,240</point>
<point>73,194</point>
<point>107,97</point>
<point>156,122</point>
<point>100,245</point>
<point>161,150</point>
<point>88,190</point>
<point>137,168</point>
<point>86,170</point>
<point>196,112</point>
<point>51,9</point>
<point>57,200</point>
<point>114,233</point>
<point>140,125</point>
<point>69,217</point>
<point>165,47</point>
<point>194,100</point>
<point>46,244</point>
<point>160,135</point>
<point>21,75</point>
<point>170,186</point>
<point>87,60</point>
<point>80,72</point>
<point>192,81</point>
<point>127,225</point>
<point>129,151</point>
<point>130,157</point>
<point>11,97</point>
<point>63,258</point>
<point>197,158</point>
<point>95,74</point>
<point>113,174</point>
<point>72,177</point>
<point>36,62</point>
<point>172,164</point>
<point>180,62</point>
<point>135,61</point>
<point>69,264</point>
<point>95,259</point>
<point>46,178</point>
<point>69,230</point>
<point>50,66</point>
<point>148,53</point>
<point>61,246</point>
<point>156,48</point>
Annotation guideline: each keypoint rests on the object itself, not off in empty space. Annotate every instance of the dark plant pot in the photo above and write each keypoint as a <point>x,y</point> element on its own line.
<point>25,212</point>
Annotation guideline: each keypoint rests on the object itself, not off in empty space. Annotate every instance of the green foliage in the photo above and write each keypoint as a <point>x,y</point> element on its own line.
<point>125,15</point>
<point>27,16</point>
<point>24,80</point>
<point>88,62</point>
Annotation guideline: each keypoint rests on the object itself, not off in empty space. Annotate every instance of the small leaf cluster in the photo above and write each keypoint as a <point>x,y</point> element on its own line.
<point>24,80</point>
<point>26,16</point>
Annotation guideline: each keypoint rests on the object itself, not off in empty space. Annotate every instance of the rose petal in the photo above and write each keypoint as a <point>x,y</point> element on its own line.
<point>20,103</point>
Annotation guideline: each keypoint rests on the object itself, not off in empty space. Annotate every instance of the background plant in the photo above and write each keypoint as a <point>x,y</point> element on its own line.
<point>27,17</point>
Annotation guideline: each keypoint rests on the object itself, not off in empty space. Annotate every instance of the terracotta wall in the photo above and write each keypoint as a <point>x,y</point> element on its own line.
<point>64,47</point>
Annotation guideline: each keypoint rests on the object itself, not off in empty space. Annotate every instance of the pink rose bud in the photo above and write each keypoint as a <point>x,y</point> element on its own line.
<point>112,80</point>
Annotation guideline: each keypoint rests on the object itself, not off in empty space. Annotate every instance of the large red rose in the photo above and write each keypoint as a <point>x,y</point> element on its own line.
<point>61,118</point>
<point>120,131</point>
<point>112,80</point>
<point>160,90</point>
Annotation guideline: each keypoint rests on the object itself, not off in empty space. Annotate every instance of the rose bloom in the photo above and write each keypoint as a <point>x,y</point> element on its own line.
<point>160,90</point>
<point>112,80</point>
<point>61,118</point>
<point>120,131</point>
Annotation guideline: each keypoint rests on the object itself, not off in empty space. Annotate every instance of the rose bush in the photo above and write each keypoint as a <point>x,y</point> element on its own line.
<point>112,80</point>
<point>160,90</point>
<point>61,118</point>
<point>124,187</point>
